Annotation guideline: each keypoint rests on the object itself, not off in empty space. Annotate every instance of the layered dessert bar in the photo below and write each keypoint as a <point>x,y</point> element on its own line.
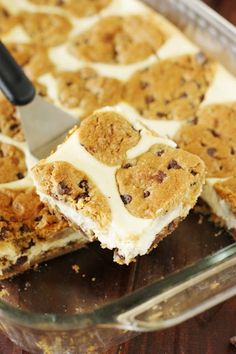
<point>120,183</point>
<point>29,231</point>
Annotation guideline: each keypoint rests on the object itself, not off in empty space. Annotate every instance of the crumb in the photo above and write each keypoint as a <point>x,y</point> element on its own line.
<point>3,293</point>
<point>214,285</point>
<point>200,220</point>
<point>233,341</point>
<point>83,275</point>
<point>93,279</point>
<point>76,268</point>
<point>27,285</point>
<point>218,233</point>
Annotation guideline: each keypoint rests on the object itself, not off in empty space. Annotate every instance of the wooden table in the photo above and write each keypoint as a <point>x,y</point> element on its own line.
<point>208,333</point>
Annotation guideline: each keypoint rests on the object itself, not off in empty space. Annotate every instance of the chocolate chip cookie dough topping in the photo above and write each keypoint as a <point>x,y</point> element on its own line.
<point>87,90</point>
<point>7,20</point>
<point>220,119</point>
<point>108,136</point>
<point>79,8</point>
<point>65,183</point>
<point>154,185</point>
<point>12,163</point>
<point>217,153</point>
<point>46,28</point>
<point>227,191</point>
<point>84,8</point>
<point>33,58</point>
<point>170,89</point>
<point>118,40</point>
<point>10,124</point>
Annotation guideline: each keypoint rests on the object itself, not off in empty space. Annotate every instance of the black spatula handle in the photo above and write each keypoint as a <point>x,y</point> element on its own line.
<point>14,84</point>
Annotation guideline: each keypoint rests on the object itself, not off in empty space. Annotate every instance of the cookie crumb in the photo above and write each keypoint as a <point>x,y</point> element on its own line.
<point>76,268</point>
<point>233,341</point>
<point>93,279</point>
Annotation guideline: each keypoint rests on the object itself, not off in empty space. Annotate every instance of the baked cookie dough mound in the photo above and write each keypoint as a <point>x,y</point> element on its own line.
<point>226,190</point>
<point>10,124</point>
<point>67,184</point>
<point>118,40</point>
<point>29,232</point>
<point>34,59</point>
<point>7,20</point>
<point>171,88</point>
<point>46,28</point>
<point>87,90</point>
<point>218,153</point>
<point>108,136</point>
<point>84,8</point>
<point>12,163</point>
<point>159,180</point>
<point>220,119</point>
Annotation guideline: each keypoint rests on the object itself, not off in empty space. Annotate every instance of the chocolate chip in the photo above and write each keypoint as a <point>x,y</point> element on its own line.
<point>211,151</point>
<point>20,175</point>
<point>201,98</point>
<point>126,198</point>
<point>183,95</point>
<point>24,228</point>
<point>69,83</point>
<point>3,232</point>
<point>160,176</point>
<point>173,164</point>
<point>60,2</point>
<point>143,84</point>
<point>62,188</point>
<point>194,120</point>
<point>160,152</point>
<point>149,99</point>
<point>1,153</point>
<point>5,13</point>
<point>232,151</point>
<point>84,184</point>
<point>82,196</point>
<point>161,114</point>
<point>14,126</point>
<point>194,173</point>
<point>214,133</point>
<point>38,218</point>
<point>21,260</point>
<point>146,194</point>
<point>127,165</point>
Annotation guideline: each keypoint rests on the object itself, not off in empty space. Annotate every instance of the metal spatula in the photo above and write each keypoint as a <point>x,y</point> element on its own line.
<point>45,126</point>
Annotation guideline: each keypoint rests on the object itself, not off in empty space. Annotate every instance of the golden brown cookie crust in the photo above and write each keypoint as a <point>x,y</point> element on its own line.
<point>7,20</point>
<point>120,40</point>
<point>64,182</point>
<point>171,88</point>
<point>227,191</point>
<point>46,28</point>
<point>159,180</point>
<point>218,154</point>
<point>12,163</point>
<point>108,136</point>
<point>87,90</point>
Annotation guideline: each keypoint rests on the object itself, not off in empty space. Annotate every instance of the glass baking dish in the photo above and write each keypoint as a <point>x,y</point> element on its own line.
<point>85,303</point>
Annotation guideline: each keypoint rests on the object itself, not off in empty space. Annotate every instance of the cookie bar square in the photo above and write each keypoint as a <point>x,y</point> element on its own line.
<point>30,233</point>
<point>120,183</point>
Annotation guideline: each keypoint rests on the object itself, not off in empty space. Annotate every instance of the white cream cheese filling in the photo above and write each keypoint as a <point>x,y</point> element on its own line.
<point>66,236</point>
<point>128,246</point>
<point>219,206</point>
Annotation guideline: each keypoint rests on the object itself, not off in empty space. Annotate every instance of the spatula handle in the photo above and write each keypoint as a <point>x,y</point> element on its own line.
<point>14,84</point>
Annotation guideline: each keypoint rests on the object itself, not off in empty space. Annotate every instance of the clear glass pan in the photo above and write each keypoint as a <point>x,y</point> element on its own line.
<point>60,309</point>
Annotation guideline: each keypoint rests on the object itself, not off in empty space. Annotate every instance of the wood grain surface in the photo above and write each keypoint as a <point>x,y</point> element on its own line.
<point>208,333</point>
